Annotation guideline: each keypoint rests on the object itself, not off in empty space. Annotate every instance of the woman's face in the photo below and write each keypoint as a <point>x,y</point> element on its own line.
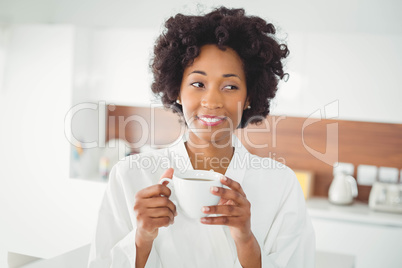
<point>213,94</point>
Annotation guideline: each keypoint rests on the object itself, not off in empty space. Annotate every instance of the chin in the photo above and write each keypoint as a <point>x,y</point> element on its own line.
<point>219,138</point>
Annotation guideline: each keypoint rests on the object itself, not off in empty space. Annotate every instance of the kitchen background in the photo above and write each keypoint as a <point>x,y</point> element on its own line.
<point>63,62</point>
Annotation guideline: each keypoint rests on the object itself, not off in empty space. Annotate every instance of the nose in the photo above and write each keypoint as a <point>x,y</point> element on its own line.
<point>212,99</point>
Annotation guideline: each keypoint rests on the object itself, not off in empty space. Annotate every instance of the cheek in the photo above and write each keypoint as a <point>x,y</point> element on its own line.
<point>189,105</point>
<point>235,105</point>
<point>237,108</point>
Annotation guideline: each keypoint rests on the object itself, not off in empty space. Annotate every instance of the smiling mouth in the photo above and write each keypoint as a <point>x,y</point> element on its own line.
<point>211,120</point>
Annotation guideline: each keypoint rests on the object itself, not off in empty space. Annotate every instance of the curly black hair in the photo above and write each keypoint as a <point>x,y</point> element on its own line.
<point>251,37</point>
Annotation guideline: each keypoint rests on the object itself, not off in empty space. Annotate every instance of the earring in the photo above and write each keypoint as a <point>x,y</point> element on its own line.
<point>178,101</point>
<point>249,107</point>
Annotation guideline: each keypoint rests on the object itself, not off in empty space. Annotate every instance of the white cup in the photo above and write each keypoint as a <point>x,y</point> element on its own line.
<point>193,190</point>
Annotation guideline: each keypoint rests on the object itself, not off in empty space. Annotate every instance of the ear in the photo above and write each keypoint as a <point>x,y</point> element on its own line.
<point>246,104</point>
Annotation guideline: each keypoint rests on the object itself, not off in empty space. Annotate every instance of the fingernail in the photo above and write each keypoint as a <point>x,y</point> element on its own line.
<point>224,178</point>
<point>214,189</point>
<point>203,220</point>
<point>206,209</point>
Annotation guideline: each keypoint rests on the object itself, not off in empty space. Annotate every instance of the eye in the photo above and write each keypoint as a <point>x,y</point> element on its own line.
<point>231,87</point>
<point>197,84</point>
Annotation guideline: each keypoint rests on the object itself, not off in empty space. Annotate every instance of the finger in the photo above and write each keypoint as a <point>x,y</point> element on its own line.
<point>160,222</point>
<point>167,174</point>
<point>160,212</point>
<point>227,202</point>
<point>227,210</point>
<point>232,184</point>
<point>161,202</point>
<point>153,191</point>
<point>229,195</point>
<point>151,219</point>
<point>222,220</point>
<point>222,201</point>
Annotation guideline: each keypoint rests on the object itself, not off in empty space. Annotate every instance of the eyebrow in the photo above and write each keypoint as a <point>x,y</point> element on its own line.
<point>204,73</point>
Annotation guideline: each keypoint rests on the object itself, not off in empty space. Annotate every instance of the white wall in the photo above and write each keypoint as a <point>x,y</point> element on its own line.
<point>118,62</point>
<point>43,212</point>
<point>344,51</point>
<point>359,70</point>
<point>35,95</point>
<point>369,16</point>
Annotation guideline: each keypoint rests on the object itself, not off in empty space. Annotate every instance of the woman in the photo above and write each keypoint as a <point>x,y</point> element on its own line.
<point>219,72</point>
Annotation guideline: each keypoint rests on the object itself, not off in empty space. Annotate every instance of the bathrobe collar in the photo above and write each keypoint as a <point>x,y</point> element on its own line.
<point>237,166</point>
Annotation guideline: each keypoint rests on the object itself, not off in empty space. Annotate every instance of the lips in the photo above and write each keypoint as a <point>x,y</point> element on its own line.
<point>210,120</point>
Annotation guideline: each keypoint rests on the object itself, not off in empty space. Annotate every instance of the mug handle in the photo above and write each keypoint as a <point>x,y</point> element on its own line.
<point>169,180</point>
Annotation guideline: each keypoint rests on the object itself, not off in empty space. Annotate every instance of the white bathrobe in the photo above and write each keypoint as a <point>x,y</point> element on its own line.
<point>279,219</point>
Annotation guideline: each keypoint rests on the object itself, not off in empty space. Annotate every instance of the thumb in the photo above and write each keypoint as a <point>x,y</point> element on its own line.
<point>167,174</point>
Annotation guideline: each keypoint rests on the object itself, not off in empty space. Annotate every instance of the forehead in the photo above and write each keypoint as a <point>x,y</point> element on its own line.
<point>215,60</point>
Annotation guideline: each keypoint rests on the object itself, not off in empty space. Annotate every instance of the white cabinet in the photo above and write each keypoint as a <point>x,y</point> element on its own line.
<point>373,238</point>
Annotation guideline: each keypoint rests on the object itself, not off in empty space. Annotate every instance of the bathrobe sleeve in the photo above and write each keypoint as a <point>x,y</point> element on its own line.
<point>114,240</point>
<point>290,241</point>
<point>279,219</point>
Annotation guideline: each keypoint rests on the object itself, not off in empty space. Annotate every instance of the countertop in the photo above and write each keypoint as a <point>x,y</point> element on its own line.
<point>320,207</point>
<point>79,258</point>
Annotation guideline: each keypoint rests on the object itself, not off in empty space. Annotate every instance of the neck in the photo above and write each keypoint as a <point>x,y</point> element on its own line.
<point>210,155</point>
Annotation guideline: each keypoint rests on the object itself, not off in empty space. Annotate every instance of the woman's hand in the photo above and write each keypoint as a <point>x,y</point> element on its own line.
<point>234,210</point>
<point>153,209</point>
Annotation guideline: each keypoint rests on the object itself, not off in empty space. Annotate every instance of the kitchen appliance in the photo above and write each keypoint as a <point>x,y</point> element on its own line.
<point>343,189</point>
<point>386,197</point>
